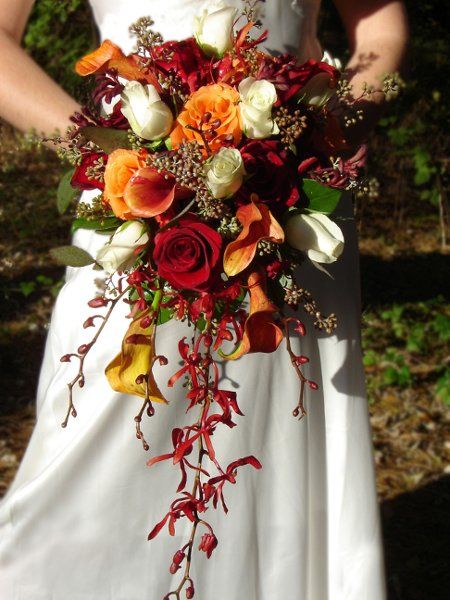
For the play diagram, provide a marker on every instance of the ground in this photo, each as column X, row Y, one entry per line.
column 406, row 334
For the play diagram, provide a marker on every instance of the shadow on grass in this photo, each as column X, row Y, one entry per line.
column 416, row 531
column 413, row 278
column 14, row 304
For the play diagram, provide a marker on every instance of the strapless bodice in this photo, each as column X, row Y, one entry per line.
column 291, row 23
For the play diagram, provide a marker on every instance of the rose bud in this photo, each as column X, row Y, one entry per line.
column 149, row 117
column 318, row 90
column 213, row 28
column 98, row 302
column 322, row 86
column 301, row 359
column 225, row 172
column 174, row 568
column 312, row 384
column 89, row 322
column 119, row 253
column 315, row 234
column 178, row 557
column 258, row 98
column 190, row 592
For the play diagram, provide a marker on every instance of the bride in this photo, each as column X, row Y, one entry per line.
column 74, row 523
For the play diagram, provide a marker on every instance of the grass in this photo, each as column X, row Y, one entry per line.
column 406, row 334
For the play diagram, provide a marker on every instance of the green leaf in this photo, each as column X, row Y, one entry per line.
column 164, row 315
column 27, row 287
column 65, row 193
column 103, row 226
column 155, row 145
column 168, row 143
column 105, row 138
column 321, row 198
column 72, row 256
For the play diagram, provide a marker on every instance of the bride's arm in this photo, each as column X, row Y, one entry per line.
column 377, row 31
column 29, row 98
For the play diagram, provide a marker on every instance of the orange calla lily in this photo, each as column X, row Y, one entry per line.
column 261, row 333
column 135, row 359
column 110, row 56
column 148, row 193
column 258, row 224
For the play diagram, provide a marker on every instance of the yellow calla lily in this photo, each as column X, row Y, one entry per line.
column 135, row 359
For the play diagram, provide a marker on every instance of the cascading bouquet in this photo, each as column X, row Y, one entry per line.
column 217, row 166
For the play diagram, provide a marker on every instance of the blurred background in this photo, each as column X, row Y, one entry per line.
column 405, row 245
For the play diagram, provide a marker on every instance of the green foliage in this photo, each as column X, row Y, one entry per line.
column 320, row 197
column 40, row 284
column 443, row 387
column 65, row 193
column 407, row 345
column 107, row 140
column 72, row 256
column 58, row 34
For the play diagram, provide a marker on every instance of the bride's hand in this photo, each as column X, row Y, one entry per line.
column 377, row 32
column 29, row 98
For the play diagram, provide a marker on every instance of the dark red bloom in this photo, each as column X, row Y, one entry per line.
column 289, row 77
column 186, row 60
column 80, row 178
column 207, row 543
column 272, row 174
column 188, row 254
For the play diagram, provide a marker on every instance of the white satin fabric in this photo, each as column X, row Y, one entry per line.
column 74, row 523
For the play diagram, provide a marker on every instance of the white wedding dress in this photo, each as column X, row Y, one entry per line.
column 74, row 523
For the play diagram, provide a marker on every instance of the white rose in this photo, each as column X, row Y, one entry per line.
column 213, row 28
column 149, row 117
column 257, row 100
column 334, row 62
column 225, row 172
column 315, row 234
column 317, row 91
column 118, row 254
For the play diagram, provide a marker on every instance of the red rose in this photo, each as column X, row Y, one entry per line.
column 188, row 254
column 186, row 60
column 272, row 175
column 289, row 77
column 80, row 178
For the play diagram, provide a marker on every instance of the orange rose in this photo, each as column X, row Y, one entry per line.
column 121, row 166
column 221, row 101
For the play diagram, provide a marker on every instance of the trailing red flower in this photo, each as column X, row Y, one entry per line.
column 207, row 543
column 214, row 485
